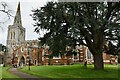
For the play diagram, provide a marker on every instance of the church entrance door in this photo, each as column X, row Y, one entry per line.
column 22, row 61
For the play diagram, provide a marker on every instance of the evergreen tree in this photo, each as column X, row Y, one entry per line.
column 89, row 24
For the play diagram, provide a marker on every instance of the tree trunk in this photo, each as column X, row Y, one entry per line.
column 98, row 61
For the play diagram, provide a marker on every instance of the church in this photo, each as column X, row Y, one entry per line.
column 25, row 52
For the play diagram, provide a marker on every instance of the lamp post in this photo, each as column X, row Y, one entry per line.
column 38, row 52
column 29, row 59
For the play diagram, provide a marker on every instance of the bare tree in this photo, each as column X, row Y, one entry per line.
column 5, row 13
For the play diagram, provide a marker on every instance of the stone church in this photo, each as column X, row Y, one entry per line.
column 21, row 51
column 16, row 43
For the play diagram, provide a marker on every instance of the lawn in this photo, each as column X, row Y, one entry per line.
column 72, row 71
column 6, row 73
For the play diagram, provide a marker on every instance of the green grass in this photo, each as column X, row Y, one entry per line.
column 72, row 71
column 7, row 74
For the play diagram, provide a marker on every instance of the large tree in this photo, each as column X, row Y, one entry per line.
column 89, row 24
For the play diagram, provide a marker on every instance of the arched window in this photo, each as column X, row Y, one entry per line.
column 11, row 35
column 14, row 35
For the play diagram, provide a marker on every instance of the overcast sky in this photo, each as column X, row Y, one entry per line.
column 26, row 7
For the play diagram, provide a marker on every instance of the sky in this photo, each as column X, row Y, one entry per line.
column 27, row 22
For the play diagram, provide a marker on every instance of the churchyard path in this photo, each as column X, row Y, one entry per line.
column 23, row 75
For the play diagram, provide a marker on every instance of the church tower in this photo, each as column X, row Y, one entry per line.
column 16, row 32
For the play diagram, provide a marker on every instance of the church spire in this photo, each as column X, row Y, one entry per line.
column 18, row 8
column 17, row 19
